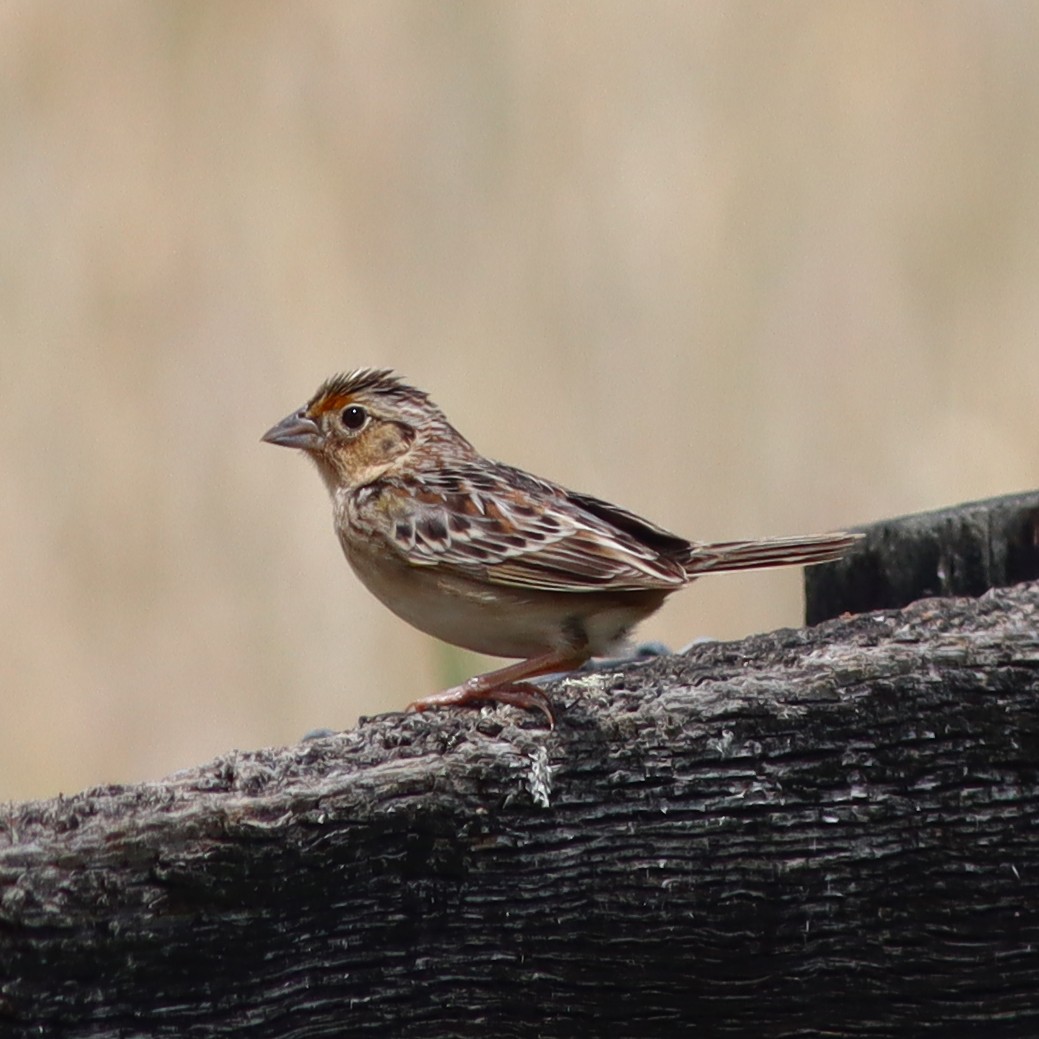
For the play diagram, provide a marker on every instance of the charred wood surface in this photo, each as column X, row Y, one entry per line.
column 964, row 550
column 830, row 831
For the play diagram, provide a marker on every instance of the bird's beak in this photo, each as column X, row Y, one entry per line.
column 296, row 430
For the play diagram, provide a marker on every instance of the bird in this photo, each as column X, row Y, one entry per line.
column 489, row 557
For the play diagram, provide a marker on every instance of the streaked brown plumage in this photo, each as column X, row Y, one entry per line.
column 489, row 557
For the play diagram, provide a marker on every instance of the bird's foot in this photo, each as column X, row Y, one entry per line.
column 471, row 694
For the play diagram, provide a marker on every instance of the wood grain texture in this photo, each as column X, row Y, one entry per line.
column 963, row 550
column 823, row 831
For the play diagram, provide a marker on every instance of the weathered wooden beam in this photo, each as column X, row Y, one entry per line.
column 821, row 831
column 964, row 550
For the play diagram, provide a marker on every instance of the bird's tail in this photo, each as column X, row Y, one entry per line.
column 725, row 556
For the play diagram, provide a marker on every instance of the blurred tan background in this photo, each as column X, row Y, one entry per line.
column 749, row 269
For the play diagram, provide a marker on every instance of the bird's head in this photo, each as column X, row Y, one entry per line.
column 359, row 425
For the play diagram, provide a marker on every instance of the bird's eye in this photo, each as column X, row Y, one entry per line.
column 354, row 417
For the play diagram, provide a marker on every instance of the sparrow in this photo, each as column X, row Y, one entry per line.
column 486, row 556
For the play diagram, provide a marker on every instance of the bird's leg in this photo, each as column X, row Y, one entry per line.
column 508, row 685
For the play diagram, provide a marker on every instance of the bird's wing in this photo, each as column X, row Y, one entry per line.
column 502, row 525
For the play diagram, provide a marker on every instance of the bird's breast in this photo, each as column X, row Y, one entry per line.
column 497, row 619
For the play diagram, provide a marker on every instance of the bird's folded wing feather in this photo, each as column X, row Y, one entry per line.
column 507, row 527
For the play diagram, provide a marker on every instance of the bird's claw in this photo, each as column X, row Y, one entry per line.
column 518, row 694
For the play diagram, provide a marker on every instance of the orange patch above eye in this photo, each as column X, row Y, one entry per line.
column 333, row 402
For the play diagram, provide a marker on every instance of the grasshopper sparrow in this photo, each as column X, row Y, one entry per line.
column 489, row 557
